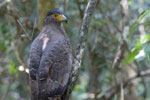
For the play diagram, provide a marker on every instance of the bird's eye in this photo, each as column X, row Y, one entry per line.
column 55, row 15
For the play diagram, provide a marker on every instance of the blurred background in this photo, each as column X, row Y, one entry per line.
column 116, row 61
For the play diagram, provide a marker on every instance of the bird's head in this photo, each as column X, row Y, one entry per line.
column 55, row 16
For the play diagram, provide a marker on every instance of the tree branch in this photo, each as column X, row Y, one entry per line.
column 80, row 48
column 114, row 89
column 8, row 89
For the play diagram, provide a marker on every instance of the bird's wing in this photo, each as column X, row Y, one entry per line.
column 35, row 57
column 53, row 73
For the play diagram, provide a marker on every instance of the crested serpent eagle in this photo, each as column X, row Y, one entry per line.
column 50, row 59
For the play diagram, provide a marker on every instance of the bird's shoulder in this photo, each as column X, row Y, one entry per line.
column 48, row 40
column 36, row 46
column 57, row 43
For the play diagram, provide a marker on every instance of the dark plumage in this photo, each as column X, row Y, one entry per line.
column 50, row 59
column 54, row 12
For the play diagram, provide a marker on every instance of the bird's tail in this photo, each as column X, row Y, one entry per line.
column 33, row 90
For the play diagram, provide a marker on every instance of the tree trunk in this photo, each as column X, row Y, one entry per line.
column 44, row 6
column 80, row 48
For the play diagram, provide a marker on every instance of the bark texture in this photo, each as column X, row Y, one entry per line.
column 80, row 48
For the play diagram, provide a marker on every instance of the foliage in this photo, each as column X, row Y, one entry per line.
column 114, row 22
column 138, row 47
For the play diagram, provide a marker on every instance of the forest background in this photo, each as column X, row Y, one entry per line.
column 116, row 61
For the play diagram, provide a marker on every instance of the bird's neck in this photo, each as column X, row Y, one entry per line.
column 55, row 26
column 51, row 22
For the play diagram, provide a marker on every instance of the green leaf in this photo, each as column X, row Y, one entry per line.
column 131, row 55
column 77, row 87
column 142, row 41
column 3, row 28
column 130, row 3
column 12, row 68
column 138, row 46
column 146, row 38
column 140, row 18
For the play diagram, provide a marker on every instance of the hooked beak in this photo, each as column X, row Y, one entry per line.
column 64, row 19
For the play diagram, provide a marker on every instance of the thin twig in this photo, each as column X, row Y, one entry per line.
column 24, row 30
column 119, row 56
column 94, row 70
column 121, row 92
column 33, row 29
column 16, row 50
column 3, row 3
column 7, row 91
column 115, row 89
column 79, row 8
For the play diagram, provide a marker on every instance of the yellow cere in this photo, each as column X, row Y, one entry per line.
column 59, row 17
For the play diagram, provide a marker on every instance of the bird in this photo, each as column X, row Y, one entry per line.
column 50, row 59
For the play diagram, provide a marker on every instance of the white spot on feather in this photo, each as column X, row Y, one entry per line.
column 45, row 41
